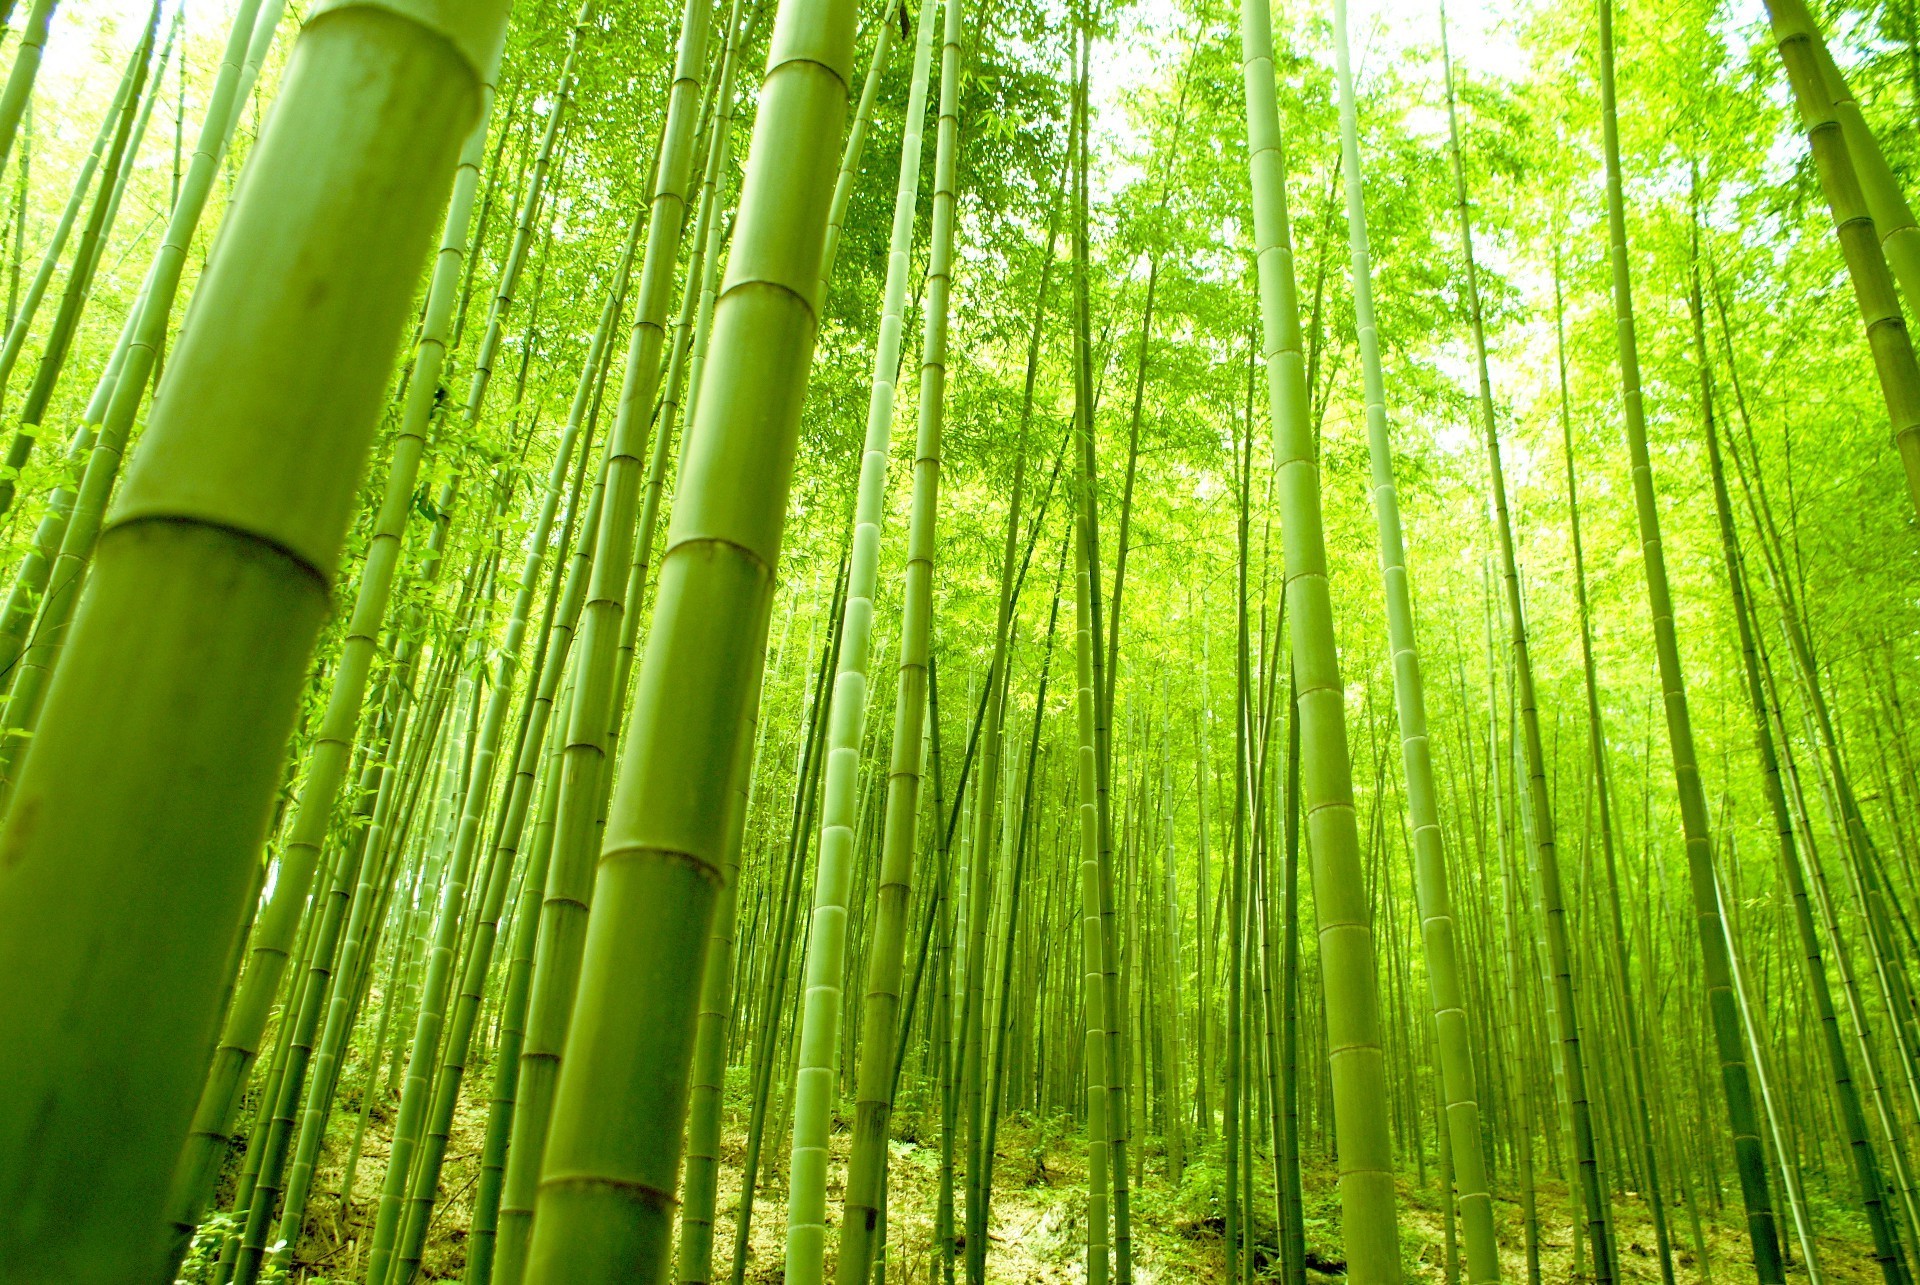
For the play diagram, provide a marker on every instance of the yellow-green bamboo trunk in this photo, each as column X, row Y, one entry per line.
column 817, row 1082
column 327, row 763
column 1453, row 1031
column 1716, row 965
column 1836, row 155
column 1092, row 931
column 143, row 801
column 1358, row 1067
column 606, row 1196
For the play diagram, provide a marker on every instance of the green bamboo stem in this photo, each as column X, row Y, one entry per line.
column 435, row 1075
column 85, row 523
column 606, row 1193
column 1886, row 199
column 1749, row 1151
column 1801, row 49
column 773, row 972
column 816, row 1084
column 504, row 1106
column 214, row 577
column 1346, row 938
column 539, row 697
column 694, row 1257
column 1114, row 1008
column 327, row 764
column 15, row 96
column 1294, row 1243
column 1628, row 1010
column 18, row 251
column 1460, row 1134
column 20, row 318
column 1096, row 1062
column 1093, row 962
column 1538, row 818
column 570, row 877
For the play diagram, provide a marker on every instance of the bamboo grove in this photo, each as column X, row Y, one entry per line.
column 992, row 640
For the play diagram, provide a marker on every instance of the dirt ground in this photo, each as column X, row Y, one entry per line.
column 1039, row 1212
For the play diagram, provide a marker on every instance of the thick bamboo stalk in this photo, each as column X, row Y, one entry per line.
column 246, row 1017
column 1357, row 1070
column 1460, row 1132
column 1538, row 818
column 820, row 1015
column 1723, row 1010
column 605, row 1203
column 570, row 877
column 214, row 577
column 1891, row 344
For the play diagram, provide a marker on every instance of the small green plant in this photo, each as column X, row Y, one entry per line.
column 203, row 1255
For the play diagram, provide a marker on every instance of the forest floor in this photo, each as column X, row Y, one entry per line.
column 1039, row 1209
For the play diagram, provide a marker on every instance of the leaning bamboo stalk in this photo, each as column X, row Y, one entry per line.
column 1538, row 819
column 663, row 860
column 1886, row 200
column 817, row 1082
column 26, row 68
column 570, row 876
column 327, row 763
column 1452, row 1030
column 214, row 577
column 1346, row 937
column 1088, row 527
column 1854, row 226
column 776, row 958
column 1723, row 1009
